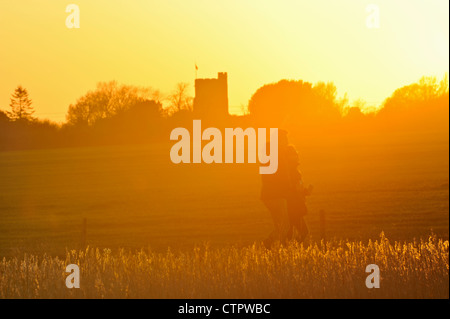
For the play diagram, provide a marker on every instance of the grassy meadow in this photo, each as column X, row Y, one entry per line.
column 334, row 269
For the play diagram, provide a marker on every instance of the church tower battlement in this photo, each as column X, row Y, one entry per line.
column 211, row 97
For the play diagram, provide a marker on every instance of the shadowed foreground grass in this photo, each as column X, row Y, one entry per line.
column 418, row 269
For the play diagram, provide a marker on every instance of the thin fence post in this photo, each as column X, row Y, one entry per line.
column 322, row 224
column 84, row 234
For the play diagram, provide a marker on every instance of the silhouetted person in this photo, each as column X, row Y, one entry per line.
column 296, row 197
column 284, row 195
column 274, row 190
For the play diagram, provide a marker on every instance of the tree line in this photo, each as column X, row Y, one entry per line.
column 114, row 113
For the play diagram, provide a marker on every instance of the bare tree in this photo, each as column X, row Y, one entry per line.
column 107, row 100
column 180, row 99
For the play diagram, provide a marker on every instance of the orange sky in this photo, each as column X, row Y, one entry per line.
column 157, row 43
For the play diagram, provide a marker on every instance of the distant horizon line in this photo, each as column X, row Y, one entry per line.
column 237, row 109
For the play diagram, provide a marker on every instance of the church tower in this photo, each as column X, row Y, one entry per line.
column 211, row 98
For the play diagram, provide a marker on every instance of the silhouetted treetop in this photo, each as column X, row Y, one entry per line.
column 421, row 106
column 179, row 99
column 426, row 90
column 107, row 100
column 287, row 101
column 21, row 108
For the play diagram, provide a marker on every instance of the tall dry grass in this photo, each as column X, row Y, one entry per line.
column 416, row 269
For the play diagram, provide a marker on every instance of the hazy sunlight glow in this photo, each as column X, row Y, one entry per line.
column 157, row 43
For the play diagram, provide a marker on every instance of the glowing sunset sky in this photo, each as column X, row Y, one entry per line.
column 157, row 43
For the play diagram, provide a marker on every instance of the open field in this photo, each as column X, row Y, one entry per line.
column 134, row 197
column 138, row 204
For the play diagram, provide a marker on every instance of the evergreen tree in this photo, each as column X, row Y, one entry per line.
column 21, row 108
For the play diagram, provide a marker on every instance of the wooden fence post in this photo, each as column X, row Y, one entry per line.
column 84, row 234
column 322, row 224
